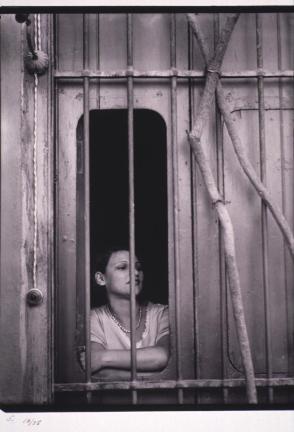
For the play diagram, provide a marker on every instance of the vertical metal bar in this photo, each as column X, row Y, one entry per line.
column 130, row 95
column 56, row 41
column 283, row 184
column 194, row 197
column 176, row 203
column 86, row 108
column 50, row 110
column 98, row 56
column 56, row 321
column 98, row 94
column 264, row 218
column 86, row 44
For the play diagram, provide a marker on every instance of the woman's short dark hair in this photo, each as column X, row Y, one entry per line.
column 103, row 257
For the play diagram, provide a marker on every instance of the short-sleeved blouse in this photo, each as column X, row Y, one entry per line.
column 107, row 333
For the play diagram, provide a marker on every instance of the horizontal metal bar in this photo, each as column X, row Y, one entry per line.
column 172, row 384
column 170, row 73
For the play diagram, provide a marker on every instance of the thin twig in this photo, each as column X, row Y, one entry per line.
column 223, row 215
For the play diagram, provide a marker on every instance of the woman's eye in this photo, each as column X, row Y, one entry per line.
column 122, row 267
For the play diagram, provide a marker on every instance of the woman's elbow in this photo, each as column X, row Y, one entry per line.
column 161, row 359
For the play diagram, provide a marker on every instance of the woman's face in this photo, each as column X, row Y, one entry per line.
column 117, row 275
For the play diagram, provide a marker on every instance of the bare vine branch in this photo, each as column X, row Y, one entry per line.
column 213, row 75
column 261, row 189
column 223, row 215
column 239, row 148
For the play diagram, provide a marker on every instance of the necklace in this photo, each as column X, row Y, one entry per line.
column 115, row 319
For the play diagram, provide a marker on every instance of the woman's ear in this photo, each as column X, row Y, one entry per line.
column 99, row 278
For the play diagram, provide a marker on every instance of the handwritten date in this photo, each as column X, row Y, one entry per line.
column 28, row 421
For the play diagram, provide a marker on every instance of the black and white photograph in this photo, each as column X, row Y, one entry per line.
column 147, row 208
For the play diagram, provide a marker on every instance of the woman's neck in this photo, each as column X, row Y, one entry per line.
column 121, row 309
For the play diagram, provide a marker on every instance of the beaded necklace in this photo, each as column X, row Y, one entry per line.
column 115, row 319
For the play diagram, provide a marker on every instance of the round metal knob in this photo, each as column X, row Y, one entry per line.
column 21, row 18
column 34, row 297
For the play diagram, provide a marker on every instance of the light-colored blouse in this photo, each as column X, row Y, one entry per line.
column 107, row 333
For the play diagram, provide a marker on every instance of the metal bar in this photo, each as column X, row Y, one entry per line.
column 172, row 384
column 130, row 94
column 194, row 196
column 51, row 110
column 266, row 108
column 288, row 299
column 55, row 44
column 86, row 44
column 264, row 216
column 176, row 203
column 86, row 132
column 56, row 322
column 98, row 56
column 180, row 73
column 221, row 188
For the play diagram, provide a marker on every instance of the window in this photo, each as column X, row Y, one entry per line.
column 145, row 75
column 109, row 190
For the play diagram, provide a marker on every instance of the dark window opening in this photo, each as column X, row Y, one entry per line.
column 109, row 193
column 109, row 219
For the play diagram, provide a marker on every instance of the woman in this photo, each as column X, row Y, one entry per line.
column 110, row 324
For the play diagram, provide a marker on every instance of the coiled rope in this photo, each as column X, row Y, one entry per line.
column 37, row 34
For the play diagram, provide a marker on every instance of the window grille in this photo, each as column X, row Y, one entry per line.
column 191, row 78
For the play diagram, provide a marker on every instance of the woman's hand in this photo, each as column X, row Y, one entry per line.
column 81, row 357
column 97, row 355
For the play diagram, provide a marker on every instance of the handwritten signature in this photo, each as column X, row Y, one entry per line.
column 28, row 421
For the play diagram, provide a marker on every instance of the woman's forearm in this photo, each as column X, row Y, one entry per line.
column 148, row 359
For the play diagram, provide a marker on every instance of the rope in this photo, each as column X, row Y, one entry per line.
column 35, row 180
column 37, row 35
